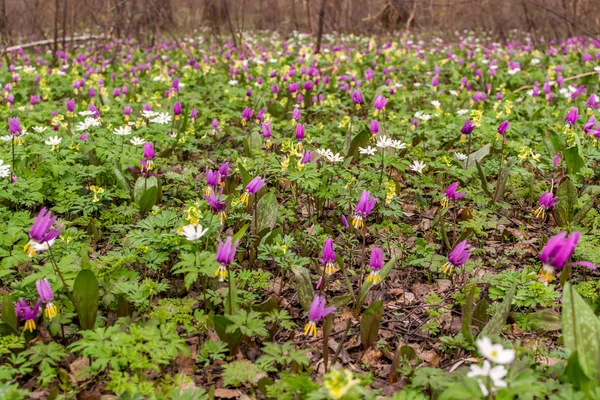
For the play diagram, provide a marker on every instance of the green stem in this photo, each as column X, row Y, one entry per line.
column 62, row 279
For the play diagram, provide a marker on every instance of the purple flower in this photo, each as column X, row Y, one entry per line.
column 316, row 313
column 296, row 114
column 215, row 125
column 275, row 91
column 380, row 103
column 300, row 132
column 589, row 126
column 46, row 296
column 261, row 115
column 356, row 97
column 374, row 127
column 94, row 110
column 217, row 206
column 572, row 116
column 247, row 114
column 194, row 114
column 555, row 254
column 435, row 81
column 84, row 136
column 547, row 201
column 213, row 178
column 224, row 170
column 41, row 234
column 451, row 194
column 345, row 222
column 556, row 159
column 363, row 209
column 306, row 157
column 177, row 109
column 468, row 127
column 457, row 257
column 252, row 188
column 375, row 264
column 149, row 151
column 225, row 254
column 14, row 126
column 127, row 111
column 267, row 132
column 26, row 313
column 503, row 128
column 71, row 105
column 145, row 167
column 592, row 103
column 328, row 258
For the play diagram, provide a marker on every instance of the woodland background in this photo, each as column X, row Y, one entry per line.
column 143, row 20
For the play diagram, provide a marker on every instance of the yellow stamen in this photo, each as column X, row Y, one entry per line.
column 444, row 202
column 540, row 212
column 207, row 190
column 374, row 277
column 222, row 216
column 221, row 272
column 310, row 329
column 546, row 274
column 358, row 221
column 29, row 325
column 447, row 268
column 29, row 250
column 51, row 311
column 330, row 268
column 245, row 197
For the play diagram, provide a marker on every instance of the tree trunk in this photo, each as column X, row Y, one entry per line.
column 321, row 21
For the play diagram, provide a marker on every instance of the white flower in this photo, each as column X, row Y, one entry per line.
column 85, row 113
column 416, row 84
column 435, row 103
column 87, row 124
column 136, row 141
column 460, row 156
column 6, row 138
column 535, row 61
column 495, row 375
column 336, row 158
column 53, row 141
column 325, row 153
column 39, row 247
column 462, row 112
column 148, row 114
column 597, row 69
column 162, row 118
column 398, row 145
column 4, row 169
column 495, row 352
column 418, row 166
column 123, row 131
column 422, row 116
column 384, row 142
column 233, row 82
column 368, row 150
column 514, row 71
column 192, row 232
column 453, row 92
column 40, row 129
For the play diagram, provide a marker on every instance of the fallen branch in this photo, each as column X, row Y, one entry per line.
column 50, row 41
column 564, row 80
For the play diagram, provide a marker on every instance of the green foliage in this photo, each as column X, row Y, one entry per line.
column 212, row 350
column 178, row 311
column 238, row 372
column 281, row 354
column 530, row 293
column 248, row 323
column 46, row 357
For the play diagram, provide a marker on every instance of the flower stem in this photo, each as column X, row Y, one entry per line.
column 62, row 279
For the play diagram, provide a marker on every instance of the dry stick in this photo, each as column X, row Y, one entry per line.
column 564, row 80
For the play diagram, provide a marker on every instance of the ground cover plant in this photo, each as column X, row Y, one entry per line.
column 397, row 217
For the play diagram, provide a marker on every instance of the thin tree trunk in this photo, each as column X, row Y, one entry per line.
column 55, row 45
column 294, row 17
column 320, row 29
column 64, row 26
column 229, row 23
column 308, row 16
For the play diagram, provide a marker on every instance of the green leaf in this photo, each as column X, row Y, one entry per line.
column 499, row 194
column 142, row 185
column 233, row 339
column 304, row 286
column 573, row 160
column 476, row 156
column 581, row 331
column 482, row 178
column 340, row 301
column 359, row 140
column 577, row 375
column 567, row 200
column 85, row 258
column 86, row 292
column 148, row 200
column 121, row 180
column 467, row 314
column 238, row 235
column 7, row 330
column 234, row 295
column 584, row 210
column 266, row 211
column 9, row 315
column 545, row 320
column 246, row 178
column 495, row 325
column 369, row 324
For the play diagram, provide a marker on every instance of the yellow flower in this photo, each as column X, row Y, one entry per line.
column 339, row 382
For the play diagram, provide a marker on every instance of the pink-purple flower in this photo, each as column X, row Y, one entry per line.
column 43, row 232
column 46, row 296
column 252, row 188
column 225, row 254
column 328, row 257
column 363, row 209
column 555, row 254
column 547, row 201
column 317, row 312
column 375, row 263
column 457, row 257
column 451, row 194
column 26, row 313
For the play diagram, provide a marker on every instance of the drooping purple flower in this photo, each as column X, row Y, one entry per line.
column 345, row 222
column 46, row 296
column 375, row 263
column 261, row 115
column 435, row 81
column 328, row 257
column 194, row 114
column 374, row 127
column 592, row 103
column 306, row 157
column 225, row 254
column 71, row 105
column 216, row 205
column 247, row 115
column 316, row 313
column 451, row 194
column 14, row 126
column 213, row 179
column 177, row 109
column 84, row 136
column 215, row 125
column 555, row 254
column 275, row 91
column 300, row 132
column 356, row 97
column 94, row 110
column 547, row 201
column 26, row 313
column 296, row 114
column 502, row 129
column 380, row 103
column 571, row 118
column 457, row 257
column 127, row 111
column 589, row 126
column 149, row 151
column 252, row 188
column 224, row 170
column 363, row 209
column 267, row 132
column 42, row 233
column 467, row 127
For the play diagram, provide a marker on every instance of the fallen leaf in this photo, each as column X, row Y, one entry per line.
column 224, row 393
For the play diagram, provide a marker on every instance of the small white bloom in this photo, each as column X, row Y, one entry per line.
column 53, row 141
column 535, row 61
column 422, row 116
column 336, row 158
column 460, row 156
column 123, row 131
column 495, row 374
column 6, row 138
column 233, row 82
column 435, row 103
column 417, row 84
column 495, row 352
column 162, row 118
column 4, row 169
column 418, row 166
column 85, row 113
column 149, row 114
column 514, row 71
column 40, row 129
column 462, row 112
column 192, row 232
column 384, row 142
column 597, row 69
column 136, row 141
column 453, row 92
column 368, row 150
column 325, row 153
column 398, row 145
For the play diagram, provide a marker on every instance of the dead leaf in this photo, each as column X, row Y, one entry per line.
column 224, row 393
